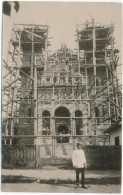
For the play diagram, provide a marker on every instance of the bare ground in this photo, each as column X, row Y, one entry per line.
column 63, row 188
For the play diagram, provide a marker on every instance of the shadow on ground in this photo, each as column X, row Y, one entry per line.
column 22, row 179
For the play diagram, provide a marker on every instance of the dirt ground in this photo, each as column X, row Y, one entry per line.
column 63, row 188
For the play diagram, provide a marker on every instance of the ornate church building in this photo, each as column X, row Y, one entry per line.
column 57, row 99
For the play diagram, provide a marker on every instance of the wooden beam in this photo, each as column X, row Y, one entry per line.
column 8, row 74
column 32, row 33
column 9, row 85
column 26, row 74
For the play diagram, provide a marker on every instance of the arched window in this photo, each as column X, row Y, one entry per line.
column 97, row 114
column 97, row 82
column 78, row 121
column 46, row 122
column 29, row 112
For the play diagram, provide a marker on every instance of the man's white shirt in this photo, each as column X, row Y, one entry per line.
column 78, row 159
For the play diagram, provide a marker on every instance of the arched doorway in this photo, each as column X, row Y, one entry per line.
column 62, row 130
column 62, row 125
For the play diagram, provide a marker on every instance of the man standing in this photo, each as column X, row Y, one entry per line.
column 79, row 162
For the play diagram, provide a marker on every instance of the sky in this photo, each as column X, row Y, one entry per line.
column 63, row 16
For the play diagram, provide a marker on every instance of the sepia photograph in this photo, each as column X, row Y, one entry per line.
column 61, row 97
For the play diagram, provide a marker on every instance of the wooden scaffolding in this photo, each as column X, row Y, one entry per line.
column 29, row 69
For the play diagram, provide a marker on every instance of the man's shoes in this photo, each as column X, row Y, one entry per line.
column 84, row 187
column 77, row 186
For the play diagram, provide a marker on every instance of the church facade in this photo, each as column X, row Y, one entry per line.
column 66, row 96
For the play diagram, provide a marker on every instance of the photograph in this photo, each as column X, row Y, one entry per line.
column 61, row 97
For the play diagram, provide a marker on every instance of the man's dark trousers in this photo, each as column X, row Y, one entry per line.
column 82, row 171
